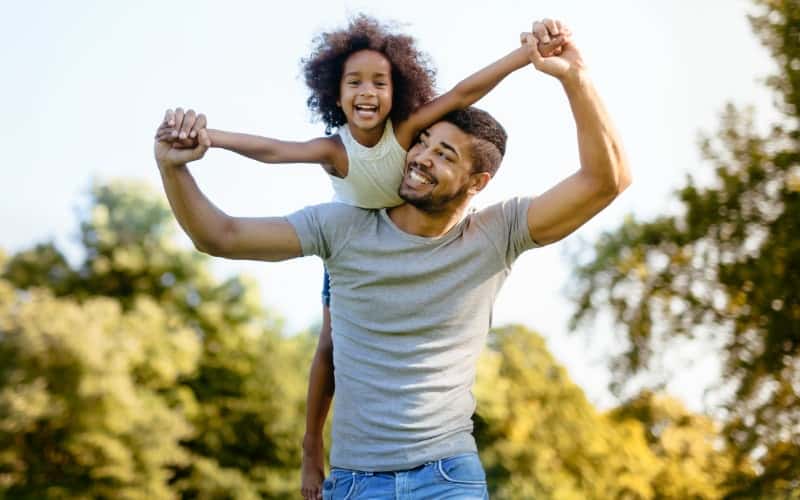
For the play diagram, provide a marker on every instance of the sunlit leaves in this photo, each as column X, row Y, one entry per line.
column 725, row 268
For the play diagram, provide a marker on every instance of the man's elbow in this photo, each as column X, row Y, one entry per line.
column 624, row 177
column 208, row 246
column 216, row 244
column 621, row 178
column 608, row 187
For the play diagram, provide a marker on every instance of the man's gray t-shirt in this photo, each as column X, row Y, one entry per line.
column 409, row 316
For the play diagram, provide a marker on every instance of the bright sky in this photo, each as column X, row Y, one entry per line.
column 85, row 84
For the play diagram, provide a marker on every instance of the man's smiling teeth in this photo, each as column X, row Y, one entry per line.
column 417, row 177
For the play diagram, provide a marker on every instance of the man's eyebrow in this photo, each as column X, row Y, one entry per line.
column 425, row 134
column 451, row 148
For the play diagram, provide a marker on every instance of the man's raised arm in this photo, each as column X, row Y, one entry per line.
column 604, row 171
column 213, row 231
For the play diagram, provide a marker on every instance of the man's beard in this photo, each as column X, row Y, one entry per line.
column 433, row 204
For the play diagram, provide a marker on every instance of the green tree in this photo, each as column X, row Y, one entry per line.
column 725, row 270
column 88, row 397
column 694, row 460
column 244, row 397
column 540, row 438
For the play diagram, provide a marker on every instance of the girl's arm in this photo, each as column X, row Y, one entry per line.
column 466, row 93
column 325, row 151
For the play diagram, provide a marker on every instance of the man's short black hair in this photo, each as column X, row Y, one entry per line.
column 489, row 137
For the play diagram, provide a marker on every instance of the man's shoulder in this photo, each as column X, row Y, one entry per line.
column 337, row 213
column 326, row 228
column 339, row 208
column 501, row 208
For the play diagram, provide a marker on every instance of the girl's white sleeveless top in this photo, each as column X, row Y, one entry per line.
column 373, row 174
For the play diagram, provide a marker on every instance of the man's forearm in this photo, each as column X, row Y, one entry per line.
column 601, row 153
column 200, row 219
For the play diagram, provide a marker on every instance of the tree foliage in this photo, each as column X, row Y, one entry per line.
column 725, row 270
column 539, row 437
column 137, row 374
column 89, row 397
column 240, row 401
column 694, row 461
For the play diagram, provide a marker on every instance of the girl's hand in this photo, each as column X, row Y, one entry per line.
column 178, row 138
column 556, row 61
column 552, row 35
column 168, row 134
column 181, row 137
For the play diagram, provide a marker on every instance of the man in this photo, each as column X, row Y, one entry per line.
column 413, row 286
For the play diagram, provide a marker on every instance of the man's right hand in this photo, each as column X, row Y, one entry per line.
column 181, row 138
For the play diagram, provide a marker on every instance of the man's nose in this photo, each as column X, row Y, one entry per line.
column 425, row 158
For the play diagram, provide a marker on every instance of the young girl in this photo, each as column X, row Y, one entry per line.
column 376, row 89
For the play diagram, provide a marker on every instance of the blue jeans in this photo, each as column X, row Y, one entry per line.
column 326, row 289
column 459, row 477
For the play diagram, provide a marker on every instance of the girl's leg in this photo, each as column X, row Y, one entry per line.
column 318, row 402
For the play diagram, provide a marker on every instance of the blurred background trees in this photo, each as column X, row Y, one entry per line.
column 539, row 436
column 725, row 271
column 137, row 374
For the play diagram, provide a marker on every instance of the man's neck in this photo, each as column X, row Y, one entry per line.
column 412, row 220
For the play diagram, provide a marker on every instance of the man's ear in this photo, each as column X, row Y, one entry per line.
column 479, row 181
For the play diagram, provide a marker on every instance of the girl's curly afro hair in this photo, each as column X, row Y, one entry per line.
column 412, row 74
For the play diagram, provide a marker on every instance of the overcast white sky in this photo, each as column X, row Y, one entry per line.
column 85, row 84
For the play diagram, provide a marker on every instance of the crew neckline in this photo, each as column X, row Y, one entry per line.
column 451, row 233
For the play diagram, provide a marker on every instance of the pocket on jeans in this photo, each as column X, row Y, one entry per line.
column 462, row 469
column 339, row 485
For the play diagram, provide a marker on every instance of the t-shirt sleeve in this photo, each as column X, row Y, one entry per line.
column 506, row 225
column 323, row 229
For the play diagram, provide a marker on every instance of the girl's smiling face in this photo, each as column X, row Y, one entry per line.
column 365, row 94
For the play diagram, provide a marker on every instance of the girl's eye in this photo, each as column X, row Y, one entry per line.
column 353, row 83
column 380, row 84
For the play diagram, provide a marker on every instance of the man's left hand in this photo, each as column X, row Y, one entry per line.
column 559, row 61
